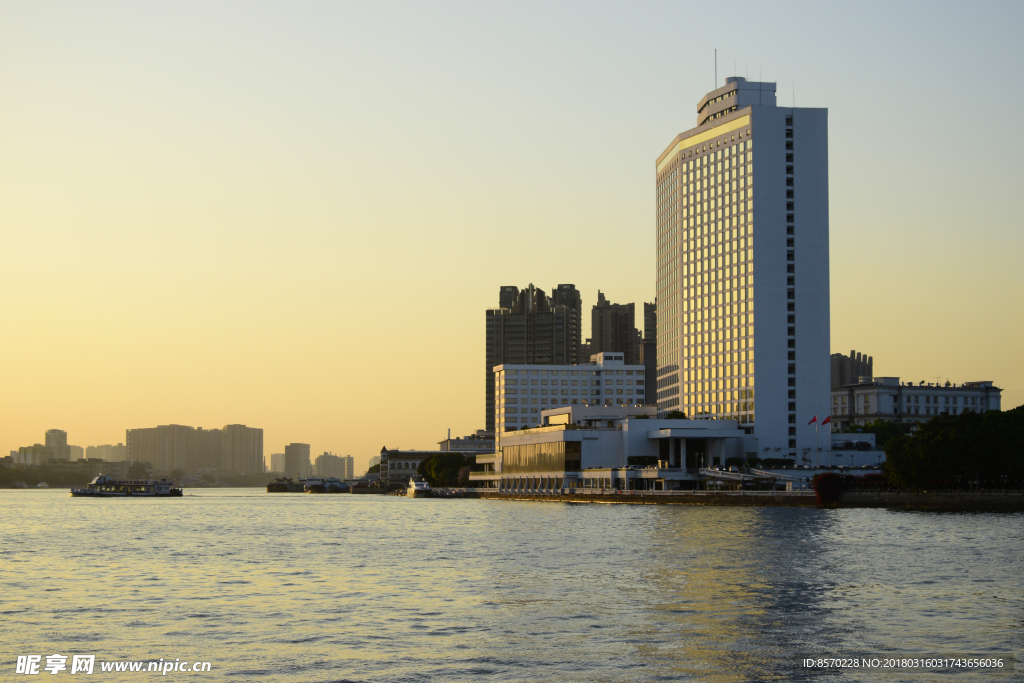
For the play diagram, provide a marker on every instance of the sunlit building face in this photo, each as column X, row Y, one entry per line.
column 742, row 267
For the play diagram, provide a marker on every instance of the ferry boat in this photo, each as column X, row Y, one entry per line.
column 105, row 486
column 418, row 488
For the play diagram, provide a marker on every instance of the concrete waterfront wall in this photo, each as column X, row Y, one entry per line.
column 938, row 501
column 746, row 498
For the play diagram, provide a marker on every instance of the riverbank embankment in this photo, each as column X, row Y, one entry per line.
column 784, row 498
column 940, row 501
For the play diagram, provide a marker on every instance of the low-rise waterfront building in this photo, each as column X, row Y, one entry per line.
column 592, row 446
column 397, row 466
column 906, row 403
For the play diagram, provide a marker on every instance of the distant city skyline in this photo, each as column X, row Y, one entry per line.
column 213, row 215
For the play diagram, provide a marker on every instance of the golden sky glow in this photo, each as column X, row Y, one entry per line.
column 294, row 215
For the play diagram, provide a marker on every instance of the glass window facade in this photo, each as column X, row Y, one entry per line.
column 705, row 255
column 560, row 456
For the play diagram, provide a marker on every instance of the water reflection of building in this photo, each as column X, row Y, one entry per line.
column 723, row 582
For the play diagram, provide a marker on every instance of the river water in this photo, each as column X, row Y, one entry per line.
column 291, row 587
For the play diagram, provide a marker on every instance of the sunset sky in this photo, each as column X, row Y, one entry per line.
column 294, row 215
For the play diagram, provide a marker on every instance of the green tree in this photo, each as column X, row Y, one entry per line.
column 884, row 431
column 442, row 469
column 948, row 451
column 675, row 415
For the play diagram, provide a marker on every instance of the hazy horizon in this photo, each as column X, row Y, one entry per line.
column 293, row 216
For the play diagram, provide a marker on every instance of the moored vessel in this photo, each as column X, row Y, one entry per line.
column 42, row 485
column 314, row 485
column 418, row 488
column 325, row 485
column 285, row 485
column 104, row 486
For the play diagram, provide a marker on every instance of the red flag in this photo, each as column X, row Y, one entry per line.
column 815, row 419
column 826, row 420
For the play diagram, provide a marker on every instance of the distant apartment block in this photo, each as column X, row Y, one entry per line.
column 35, row 455
column 55, row 449
column 107, row 452
column 531, row 328
column 330, row 465
column 242, row 449
column 521, row 392
column 613, row 328
column 849, row 369
column 235, row 448
column 76, row 453
column 57, row 442
column 906, row 403
column 277, row 462
column 296, row 460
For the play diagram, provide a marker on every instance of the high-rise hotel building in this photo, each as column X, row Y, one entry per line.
column 742, row 267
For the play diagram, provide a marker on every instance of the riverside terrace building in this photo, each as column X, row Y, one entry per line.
column 521, row 392
column 590, row 446
column 906, row 403
column 742, row 265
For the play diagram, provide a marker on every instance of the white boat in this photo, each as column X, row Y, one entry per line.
column 417, row 488
column 104, row 486
column 42, row 485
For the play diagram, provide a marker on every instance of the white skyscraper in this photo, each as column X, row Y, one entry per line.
column 742, row 267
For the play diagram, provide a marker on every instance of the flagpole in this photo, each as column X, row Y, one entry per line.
column 815, row 442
